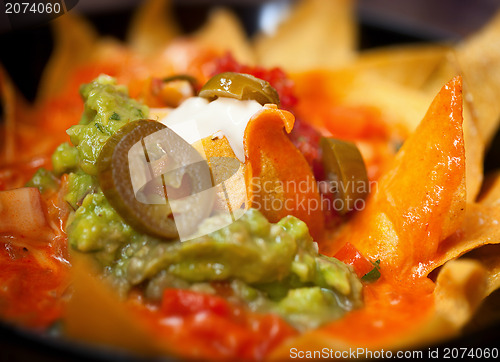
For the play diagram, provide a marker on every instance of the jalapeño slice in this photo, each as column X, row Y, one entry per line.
column 345, row 169
column 240, row 86
column 157, row 182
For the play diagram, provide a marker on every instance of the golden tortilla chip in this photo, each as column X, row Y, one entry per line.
column 474, row 143
column 153, row 27
column 74, row 40
column 481, row 227
column 8, row 99
column 490, row 194
column 460, row 289
column 489, row 257
column 230, row 187
column 400, row 106
column 474, row 154
column 224, row 32
column 420, row 199
column 409, row 65
column 95, row 314
column 478, row 58
column 317, row 34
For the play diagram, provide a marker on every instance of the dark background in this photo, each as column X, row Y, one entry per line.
column 24, row 52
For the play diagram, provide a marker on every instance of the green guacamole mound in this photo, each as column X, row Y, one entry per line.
column 269, row 267
column 107, row 108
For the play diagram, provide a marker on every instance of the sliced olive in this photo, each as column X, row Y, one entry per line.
column 172, row 91
column 181, row 77
column 155, row 180
column 240, row 86
column 346, row 172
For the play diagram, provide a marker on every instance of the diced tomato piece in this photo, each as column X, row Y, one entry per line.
column 350, row 255
column 211, row 326
column 306, row 138
column 185, row 302
column 33, row 283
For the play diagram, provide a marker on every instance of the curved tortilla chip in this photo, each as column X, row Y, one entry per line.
column 278, row 178
column 478, row 58
column 481, row 227
column 153, row 27
column 473, row 140
column 317, row 34
column 421, row 200
column 8, row 99
column 460, row 289
column 224, row 32
column 230, row 187
column 74, row 40
column 96, row 315
column 489, row 257
column 409, row 65
column 318, row 90
column 490, row 194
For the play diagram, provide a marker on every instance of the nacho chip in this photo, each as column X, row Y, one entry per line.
column 224, row 32
column 478, row 58
column 460, row 289
column 107, row 320
column 474, row 143
column 490, row 193
column 317, row 34
column 74, row 40
column 489, row 257
column 410, row 65
column 8, row 99
column 400, row 106
column 480, row 227
column 230, row 187
column 278, row 178
column 422, row 196
column 153, row 27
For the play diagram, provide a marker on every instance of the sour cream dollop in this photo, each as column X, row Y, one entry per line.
column 197, row 118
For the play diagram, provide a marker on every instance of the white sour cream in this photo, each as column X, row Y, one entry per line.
column 197, row 118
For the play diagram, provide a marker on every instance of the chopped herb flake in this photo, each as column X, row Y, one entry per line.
column 101, row 128
column 373, row 275
column 115, row 117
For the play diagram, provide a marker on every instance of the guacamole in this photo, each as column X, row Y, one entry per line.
column 107, row 108
column 269, row 267
column 44, row 180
